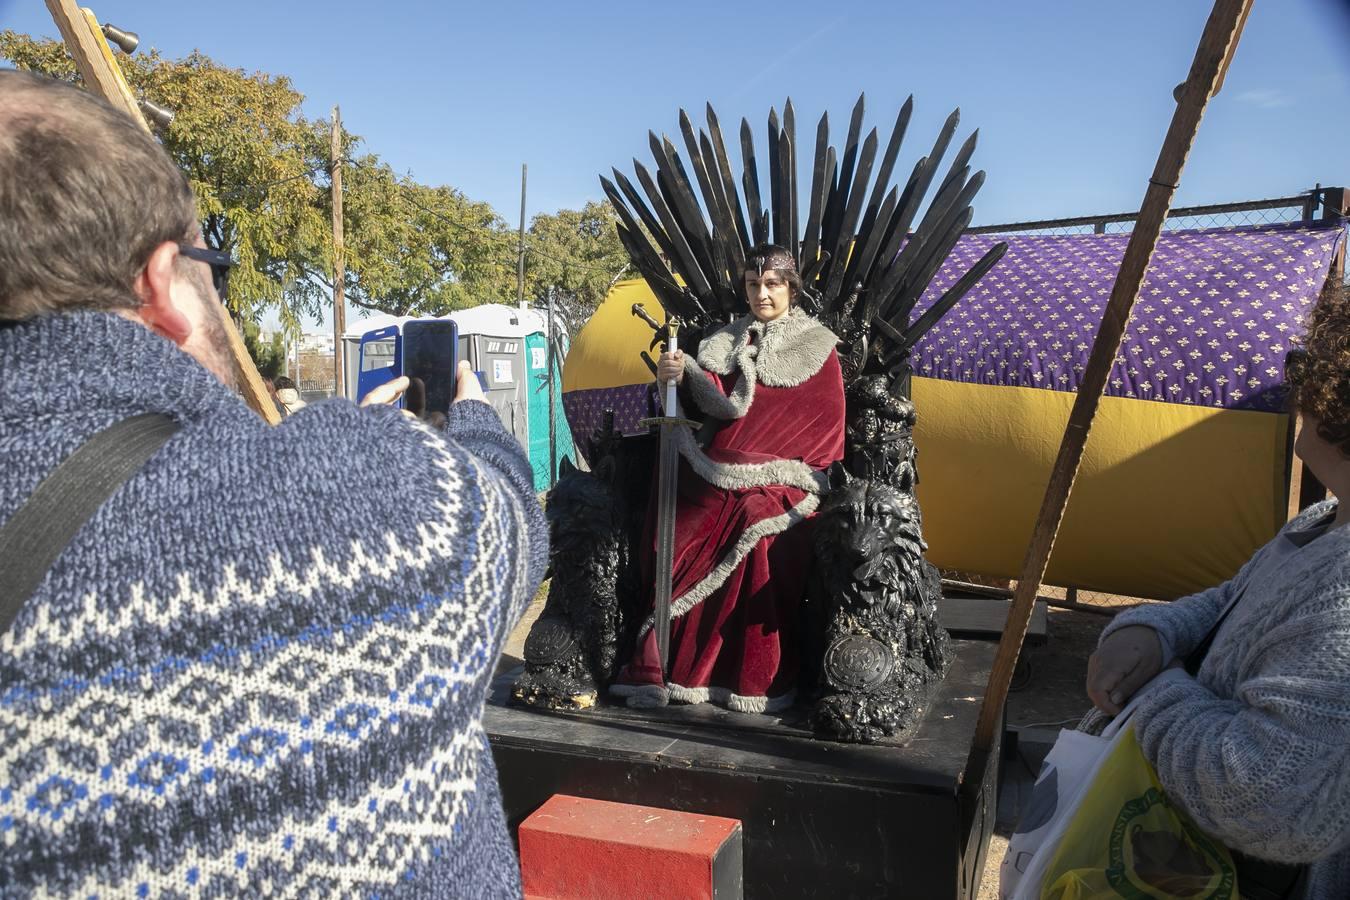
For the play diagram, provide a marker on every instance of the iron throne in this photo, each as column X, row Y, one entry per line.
column 876, row 649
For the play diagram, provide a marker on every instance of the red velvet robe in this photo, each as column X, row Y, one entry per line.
column 740, row 645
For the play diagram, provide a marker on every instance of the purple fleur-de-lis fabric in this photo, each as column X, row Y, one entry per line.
column 1215, row 317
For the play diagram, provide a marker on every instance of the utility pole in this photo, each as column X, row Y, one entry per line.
column 520, row 247
column 339, row 267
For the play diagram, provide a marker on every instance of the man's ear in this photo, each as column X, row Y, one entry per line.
column 154, row 286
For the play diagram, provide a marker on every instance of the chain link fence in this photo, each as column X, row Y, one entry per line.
column 1298, row 208
column 1306, row 207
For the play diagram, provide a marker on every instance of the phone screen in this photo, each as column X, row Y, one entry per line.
column 429, row 350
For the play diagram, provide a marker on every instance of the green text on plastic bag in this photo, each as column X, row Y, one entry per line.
column 1127, row 840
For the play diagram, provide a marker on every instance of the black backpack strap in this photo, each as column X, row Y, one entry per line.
column 37, row 534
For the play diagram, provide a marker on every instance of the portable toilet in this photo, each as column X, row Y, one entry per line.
column 536, row 348
column 510, row 347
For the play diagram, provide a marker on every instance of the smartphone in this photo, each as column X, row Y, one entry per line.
column 380, row 359
column 430, row 351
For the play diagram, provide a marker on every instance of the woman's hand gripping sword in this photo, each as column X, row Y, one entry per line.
column 668, row 468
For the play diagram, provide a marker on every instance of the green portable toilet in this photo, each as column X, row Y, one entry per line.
column 536, row 352
column 510, row 346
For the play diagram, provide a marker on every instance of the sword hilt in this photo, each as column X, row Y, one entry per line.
column 641, row 312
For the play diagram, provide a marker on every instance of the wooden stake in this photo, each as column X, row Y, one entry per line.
column 1216, row 45
column 339, row 263
column 247, row 380
column 102, row 76
column 93, row 57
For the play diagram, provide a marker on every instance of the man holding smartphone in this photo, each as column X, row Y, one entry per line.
column 260, row 666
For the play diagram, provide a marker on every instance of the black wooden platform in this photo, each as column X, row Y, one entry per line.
column 821, row 819
column 983, row 618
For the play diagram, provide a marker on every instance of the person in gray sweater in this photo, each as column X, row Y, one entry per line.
column 1256, row 748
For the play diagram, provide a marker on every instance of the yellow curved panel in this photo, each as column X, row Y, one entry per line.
column 605, row 352
column 1170, row 498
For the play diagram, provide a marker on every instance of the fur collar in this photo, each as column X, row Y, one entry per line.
column 782, row 353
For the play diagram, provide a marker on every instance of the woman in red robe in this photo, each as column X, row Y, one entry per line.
column 771, row 385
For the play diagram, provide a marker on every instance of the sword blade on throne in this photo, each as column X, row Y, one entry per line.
column 668, row 469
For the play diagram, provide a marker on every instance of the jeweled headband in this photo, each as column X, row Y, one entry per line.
column 781, row 260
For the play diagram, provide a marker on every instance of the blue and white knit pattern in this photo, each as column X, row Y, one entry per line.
column 260, row 669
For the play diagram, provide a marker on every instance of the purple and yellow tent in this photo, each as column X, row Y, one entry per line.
column 1187, row 468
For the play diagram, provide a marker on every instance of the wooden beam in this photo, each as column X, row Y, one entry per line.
column 93, row 57
column 102, row 76
column 248, row 381
column 1220, row 35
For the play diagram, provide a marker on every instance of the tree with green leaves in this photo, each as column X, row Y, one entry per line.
column 418, row 250
column 575, row 256
column 268, row 356
column 260, row 170
column 245, row 148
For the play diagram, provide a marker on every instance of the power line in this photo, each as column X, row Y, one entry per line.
column 265, row 186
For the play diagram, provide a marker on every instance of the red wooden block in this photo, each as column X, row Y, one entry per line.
column 572, row 848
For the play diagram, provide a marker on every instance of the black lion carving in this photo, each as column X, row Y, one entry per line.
column 883, row 647
column 588, row 624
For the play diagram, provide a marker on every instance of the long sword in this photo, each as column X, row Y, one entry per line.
column 668, row 468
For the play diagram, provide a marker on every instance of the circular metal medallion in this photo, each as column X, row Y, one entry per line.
column 550, row 641
column 856, row 662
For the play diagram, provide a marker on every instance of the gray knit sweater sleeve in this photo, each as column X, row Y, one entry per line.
column 1181, row 624
column 1257, row 747
column 475, row 425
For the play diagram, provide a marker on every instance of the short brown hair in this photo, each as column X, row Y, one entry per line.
column 1319, row 374
column 85, row 197
column 768, row 252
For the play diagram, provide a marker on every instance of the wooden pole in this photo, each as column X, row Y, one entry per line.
column 339, row 263
column 1216, row 45
column 93, row 57
column 520, row 246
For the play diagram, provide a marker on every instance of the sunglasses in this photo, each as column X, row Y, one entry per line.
column 219, row 261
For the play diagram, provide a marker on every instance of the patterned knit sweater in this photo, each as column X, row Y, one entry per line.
column 260, row 669
column 1257, row 747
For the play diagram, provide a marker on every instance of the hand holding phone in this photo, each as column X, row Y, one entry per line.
column 467, row 386
column 387, row 393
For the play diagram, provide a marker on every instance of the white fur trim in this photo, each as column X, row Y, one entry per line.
column 681, row 694
column 641, row 696
column 760, row 704
column 739, row 551
column 786, row 351
column 782, row 353
column 741, row 476
column 649, row 696
column 711, row 400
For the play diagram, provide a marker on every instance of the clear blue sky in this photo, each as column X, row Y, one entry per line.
column 1071, row 97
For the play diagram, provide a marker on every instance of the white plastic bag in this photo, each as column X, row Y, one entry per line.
column 1068, row 771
